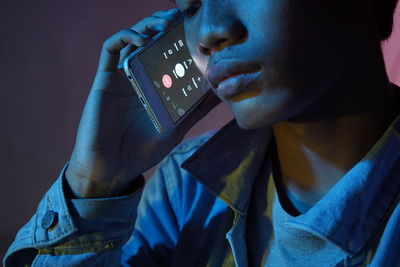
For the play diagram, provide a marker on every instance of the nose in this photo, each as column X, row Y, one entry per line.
column 218, row 30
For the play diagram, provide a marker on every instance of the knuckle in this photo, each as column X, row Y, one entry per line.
column 107, row 42
column 140, row 42
column 129, row 35
column 158, row 13
column 164, row 21
column 124, row 33
column 149, row 19
column 136, row 38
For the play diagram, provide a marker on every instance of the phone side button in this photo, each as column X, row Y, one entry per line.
column 142, row 100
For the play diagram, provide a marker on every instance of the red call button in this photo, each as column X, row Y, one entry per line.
column 167, row 81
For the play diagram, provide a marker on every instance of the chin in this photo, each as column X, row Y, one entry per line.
column 251, row 118
column 259, row 112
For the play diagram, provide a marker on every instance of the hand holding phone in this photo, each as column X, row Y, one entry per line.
column 166, row 79
column 116, row 141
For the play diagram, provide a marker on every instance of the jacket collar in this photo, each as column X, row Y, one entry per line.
column 228, row 163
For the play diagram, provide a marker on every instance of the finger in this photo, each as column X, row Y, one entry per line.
column 160, row 21
column 171, row 13
column 150, row 31
column 125, row 52
column 112, row 47
column 153, row 24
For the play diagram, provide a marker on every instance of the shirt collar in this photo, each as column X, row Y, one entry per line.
column 355, row 209
column 228, row 163
column 352, row 212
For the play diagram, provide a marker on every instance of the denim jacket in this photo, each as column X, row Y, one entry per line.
column 194, row 211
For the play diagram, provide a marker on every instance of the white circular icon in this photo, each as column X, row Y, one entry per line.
column 180, row 70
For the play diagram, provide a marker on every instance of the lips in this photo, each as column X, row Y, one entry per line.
column 231, row 78
column 224, row 70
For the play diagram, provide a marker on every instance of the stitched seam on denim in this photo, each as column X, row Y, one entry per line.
column 38, row 261
column 64, row 204
column 375, row 226
column 315, row 232
column 75, row 244
column 24, row 238
column 106, row 201
column 119, row 233
column 164, row 173
column 66, row 227
column 105, row 236
column 15, row 248
column 114, row 201
column 211, row 140
column 228, row 201
column 61, row 251
column 192, row 144
column 123, row 214
column 198, row 151
column 335, row 263
column 380, row 225
column 61, row 234
column 82, row 248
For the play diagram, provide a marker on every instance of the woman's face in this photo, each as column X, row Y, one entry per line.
column 288, row 52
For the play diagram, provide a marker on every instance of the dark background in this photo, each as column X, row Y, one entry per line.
column 48, row 57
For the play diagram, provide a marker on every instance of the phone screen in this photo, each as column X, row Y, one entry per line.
column 173, row 72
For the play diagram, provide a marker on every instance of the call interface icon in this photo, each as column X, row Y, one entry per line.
column 167, row 81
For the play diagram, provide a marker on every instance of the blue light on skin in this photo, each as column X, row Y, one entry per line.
column 322, row 75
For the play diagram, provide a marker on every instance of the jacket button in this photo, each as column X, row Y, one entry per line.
column 49, row 219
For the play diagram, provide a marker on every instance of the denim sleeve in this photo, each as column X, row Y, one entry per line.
column 168, row 205
column 75, row 232
column 140, row 229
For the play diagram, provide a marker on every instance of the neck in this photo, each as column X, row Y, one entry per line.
column 315, row 153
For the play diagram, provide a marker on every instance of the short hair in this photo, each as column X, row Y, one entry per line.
column 384, row 13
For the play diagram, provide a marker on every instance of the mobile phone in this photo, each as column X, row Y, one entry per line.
column 166, row 78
